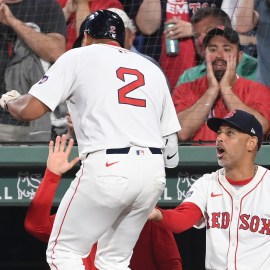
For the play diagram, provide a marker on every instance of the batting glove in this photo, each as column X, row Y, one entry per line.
column 13, row 94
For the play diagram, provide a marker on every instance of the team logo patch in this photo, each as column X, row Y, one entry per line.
column 113, row 31
column 44, row 79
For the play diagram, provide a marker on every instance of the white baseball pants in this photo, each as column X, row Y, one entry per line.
column 109, row 202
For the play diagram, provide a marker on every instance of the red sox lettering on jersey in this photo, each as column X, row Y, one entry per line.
column 247, row 222
column 237, row 220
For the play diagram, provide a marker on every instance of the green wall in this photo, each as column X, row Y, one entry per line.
column 22, row 168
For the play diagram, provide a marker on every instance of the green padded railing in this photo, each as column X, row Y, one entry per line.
column 22, row 168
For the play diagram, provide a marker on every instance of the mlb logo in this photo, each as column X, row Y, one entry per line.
column 140, row 152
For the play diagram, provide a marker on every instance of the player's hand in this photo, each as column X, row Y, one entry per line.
column 13, row 94
column 155, row 215
column 59, row 152
column 6, row 16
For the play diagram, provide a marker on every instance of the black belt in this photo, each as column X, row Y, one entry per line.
column 126, row 150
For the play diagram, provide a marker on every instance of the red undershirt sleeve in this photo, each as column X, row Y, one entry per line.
column 38, row 221
column 181, row 218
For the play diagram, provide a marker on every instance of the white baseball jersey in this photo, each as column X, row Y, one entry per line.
column 237, row 221
column 116, row 98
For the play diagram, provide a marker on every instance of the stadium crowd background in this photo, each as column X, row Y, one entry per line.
column 149, row 18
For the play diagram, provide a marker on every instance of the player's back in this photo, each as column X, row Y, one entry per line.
column 118, row 99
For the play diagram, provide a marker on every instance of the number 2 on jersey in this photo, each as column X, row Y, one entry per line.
column 122, row 92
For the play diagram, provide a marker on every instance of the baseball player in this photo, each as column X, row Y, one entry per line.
column 232, row 202
column 155, row 249
column 126, row 128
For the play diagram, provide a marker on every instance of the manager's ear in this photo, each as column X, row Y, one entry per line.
column 252, row 144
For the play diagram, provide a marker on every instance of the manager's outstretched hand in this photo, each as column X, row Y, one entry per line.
column 59, row 152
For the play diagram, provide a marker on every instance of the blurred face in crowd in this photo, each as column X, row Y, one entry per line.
column 199, row 31
column 218, row 50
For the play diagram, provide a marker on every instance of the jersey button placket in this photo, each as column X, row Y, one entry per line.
column 234, row 231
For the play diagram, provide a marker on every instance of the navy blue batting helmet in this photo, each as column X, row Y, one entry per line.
column 102, row 24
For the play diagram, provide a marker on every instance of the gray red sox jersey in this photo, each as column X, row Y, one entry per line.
column 110, row 89
column 237, row 221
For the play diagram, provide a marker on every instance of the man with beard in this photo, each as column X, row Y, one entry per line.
column 232, row 202
column 202, row 21
column 220, row 91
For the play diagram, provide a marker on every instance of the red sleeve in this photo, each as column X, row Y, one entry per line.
column 38, row 221
column 182, row 218
column 165, row 250
column 259, row 99
column 187, row 94
column 180, row 99
column 62, row 3
column 89, row 262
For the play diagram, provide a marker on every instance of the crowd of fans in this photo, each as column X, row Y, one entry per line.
column 35, row 33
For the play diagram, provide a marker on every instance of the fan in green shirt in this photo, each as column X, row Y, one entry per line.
column 247, row 68
column 202, row 21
